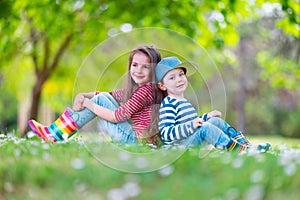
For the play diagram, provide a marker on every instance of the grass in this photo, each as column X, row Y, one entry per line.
column 31, row 169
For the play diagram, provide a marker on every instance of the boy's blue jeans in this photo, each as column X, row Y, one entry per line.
column 121, row 132
column 213, row 131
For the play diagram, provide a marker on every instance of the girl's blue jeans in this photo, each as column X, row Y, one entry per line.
column 121, row 132
column 213, row 131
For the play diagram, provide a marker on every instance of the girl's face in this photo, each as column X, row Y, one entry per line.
column 140, row 69
column 175, row 83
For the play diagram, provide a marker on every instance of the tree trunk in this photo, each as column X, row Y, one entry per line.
column 241, row 95
column 36, row 96
column 35, row 100
column 241, row 98
column 42, row 75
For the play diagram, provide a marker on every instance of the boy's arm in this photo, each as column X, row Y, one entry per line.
column 204, row 117
column 214, row 113
column 170, row 131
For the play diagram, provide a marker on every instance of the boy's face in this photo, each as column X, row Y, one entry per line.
column 175, row 83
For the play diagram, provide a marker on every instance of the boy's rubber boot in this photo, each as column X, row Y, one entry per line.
column 240, row 138
column 236, row 146
column 237, row 136
column 62, row 129
column 264, row 147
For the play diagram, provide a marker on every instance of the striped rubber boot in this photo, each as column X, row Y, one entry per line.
column 63, row 128
column 235, row 146
column 237, row 136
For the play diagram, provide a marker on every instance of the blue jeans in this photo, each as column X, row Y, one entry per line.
column 121, row 132
column 213, row 131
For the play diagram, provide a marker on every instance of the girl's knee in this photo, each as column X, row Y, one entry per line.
column 106, row 100
column 106, row 94
column 97, row 97
column 101, row 97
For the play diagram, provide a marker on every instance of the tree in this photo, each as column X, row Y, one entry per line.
column 276, row 44
column 46, row 31
column 40, row 24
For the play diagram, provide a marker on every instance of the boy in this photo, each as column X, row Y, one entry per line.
column 178, row 120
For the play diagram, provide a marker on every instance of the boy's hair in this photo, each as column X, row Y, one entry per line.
column 152, row 133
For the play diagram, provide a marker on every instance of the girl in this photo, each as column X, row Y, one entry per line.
column 137, row 99
column 178, row 120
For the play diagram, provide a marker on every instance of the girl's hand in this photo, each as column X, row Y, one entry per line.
column 78, row 102
column 87, row 103
column 79, row 99
column 214, row 113
column 197, row 122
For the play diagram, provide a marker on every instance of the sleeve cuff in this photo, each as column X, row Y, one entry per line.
column 204, row 117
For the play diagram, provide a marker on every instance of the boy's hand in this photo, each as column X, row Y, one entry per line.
column 214, row 113
column 197, row 122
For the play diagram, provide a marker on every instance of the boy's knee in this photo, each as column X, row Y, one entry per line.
column 215, row 120
column 205, row 126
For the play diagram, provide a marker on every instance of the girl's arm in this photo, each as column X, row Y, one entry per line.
column 140, row 99
column 100, row 111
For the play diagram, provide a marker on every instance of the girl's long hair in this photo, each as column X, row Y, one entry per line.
column 152, row 133
column 154, row 55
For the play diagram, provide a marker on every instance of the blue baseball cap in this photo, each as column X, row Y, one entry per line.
column 167, row 64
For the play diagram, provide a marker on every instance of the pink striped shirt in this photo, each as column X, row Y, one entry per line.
column 138, row 107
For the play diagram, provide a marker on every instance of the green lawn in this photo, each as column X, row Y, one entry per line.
column 31, row 169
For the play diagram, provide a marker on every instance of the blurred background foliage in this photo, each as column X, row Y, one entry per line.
column 254, row 44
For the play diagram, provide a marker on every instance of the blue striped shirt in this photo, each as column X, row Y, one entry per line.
column 176, row 119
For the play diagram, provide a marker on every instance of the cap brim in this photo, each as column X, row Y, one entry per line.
column 190, row 68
